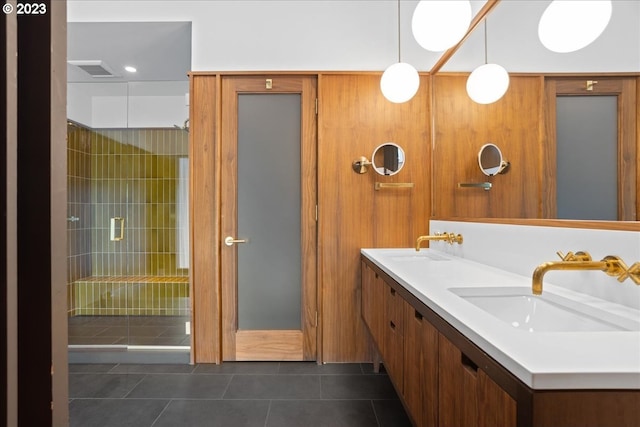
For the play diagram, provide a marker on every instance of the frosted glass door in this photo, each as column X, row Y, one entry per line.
column 269, row 264
column 587, row 156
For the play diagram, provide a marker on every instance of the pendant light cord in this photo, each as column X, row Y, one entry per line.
column 399, row 56
column 485, row 40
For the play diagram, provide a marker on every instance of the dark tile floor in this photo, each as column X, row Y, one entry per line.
column 128, row 330
column 265, row 394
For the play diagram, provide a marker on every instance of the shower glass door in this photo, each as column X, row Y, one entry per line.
column 128, row 234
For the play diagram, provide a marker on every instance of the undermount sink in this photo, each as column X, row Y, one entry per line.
column 548, row 312
column 418, row 256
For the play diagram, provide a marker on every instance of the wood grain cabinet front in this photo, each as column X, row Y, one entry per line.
column 372, row 303
column 437, row 383
column 393, row 348
column 446, row 380
column 466, row 395
column 420, row 368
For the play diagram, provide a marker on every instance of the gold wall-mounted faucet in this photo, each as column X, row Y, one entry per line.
column 450, row 238
column 612, row 265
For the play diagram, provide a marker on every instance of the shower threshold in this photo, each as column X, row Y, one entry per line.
column 130, row 354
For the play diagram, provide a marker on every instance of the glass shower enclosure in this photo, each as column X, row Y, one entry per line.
column 128, row 230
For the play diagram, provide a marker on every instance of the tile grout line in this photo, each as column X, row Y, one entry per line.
column 375, row 414
column 136, row 385
column 227, row 387
column 266, row 419
column 161, row 412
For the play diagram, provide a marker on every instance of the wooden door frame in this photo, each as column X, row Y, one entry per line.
column 624, row 88
column 281, row 345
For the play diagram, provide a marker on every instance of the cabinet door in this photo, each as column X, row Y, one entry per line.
column 393, row 349
column 467, row 396
column 420, row 368
column 373, row 288
column 495, row 407
column 457, row 384
column 368, row 279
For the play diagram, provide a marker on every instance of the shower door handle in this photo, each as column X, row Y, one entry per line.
column 120, row 230
column 230, row 241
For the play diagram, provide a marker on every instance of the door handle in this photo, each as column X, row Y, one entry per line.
column 114, row 234
column 229, row 241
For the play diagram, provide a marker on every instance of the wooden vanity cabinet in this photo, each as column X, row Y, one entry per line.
column 438, row 384
column 444, row 379
column 383, row 313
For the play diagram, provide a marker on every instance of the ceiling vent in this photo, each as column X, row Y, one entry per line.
column 95, row 68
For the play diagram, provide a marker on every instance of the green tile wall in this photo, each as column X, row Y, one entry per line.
column 129, row 173
column 78, row 206
column 135, row 176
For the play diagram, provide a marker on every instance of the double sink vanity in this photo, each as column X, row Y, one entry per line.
column 466, row 342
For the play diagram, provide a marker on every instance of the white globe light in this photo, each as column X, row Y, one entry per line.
column 438, row 25
column 570, row 25
column 487, row 83
column 399, row 82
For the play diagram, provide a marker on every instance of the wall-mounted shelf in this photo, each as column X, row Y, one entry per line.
column 484, row 185
column 381, row 185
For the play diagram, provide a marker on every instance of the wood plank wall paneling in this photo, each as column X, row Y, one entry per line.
column 354, row 118
column 463, row 126
column 638, row 147
column 204, row 217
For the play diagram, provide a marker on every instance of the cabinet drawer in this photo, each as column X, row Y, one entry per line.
column 394, row 307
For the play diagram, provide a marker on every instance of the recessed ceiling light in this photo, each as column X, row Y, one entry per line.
column 130, row 69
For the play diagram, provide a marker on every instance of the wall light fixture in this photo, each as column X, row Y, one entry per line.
column 400, row 81
column 489, row 82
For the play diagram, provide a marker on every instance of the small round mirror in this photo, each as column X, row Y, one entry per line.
column 388, row 159
column 491, row 161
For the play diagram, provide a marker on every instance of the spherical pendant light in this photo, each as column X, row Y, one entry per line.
column 438, row 25
column 487, row 83
column 570, row 25
column 399, row 82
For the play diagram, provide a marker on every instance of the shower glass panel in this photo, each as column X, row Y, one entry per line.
column 128, row 216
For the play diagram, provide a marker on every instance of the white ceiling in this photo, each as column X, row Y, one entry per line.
column 161, row 51
column 156, row 36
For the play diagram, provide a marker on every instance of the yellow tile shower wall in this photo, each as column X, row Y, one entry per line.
column 135, row 176
column 129, row 173
column 132, row 296
column 78, row 207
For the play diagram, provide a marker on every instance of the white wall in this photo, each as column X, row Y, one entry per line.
column 521, row 248
column 320, row 35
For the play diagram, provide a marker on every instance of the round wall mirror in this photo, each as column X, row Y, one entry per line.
column 491, row 161
column 388, row 159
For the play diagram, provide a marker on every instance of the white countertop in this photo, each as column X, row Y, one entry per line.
column 541, row 360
